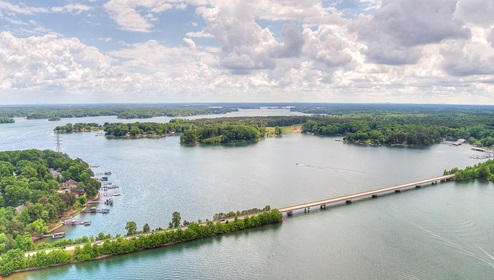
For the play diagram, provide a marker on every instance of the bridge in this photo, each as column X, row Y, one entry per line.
column 373, row 194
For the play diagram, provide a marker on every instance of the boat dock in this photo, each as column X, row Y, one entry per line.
column 73, row 222
column 94, row 210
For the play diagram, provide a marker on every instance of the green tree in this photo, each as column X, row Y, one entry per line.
column 278, row 131
column 131, row 227
column 38, row 227
column 146, row 228
column 82, row 200
column 176, row 219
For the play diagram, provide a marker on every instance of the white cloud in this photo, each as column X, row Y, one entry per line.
column 190, row 42
column 475, row 11
column 200, row 34
column 129, row 16
column 266, row 50
column 47, row 61
column 72, row 8
column 464, row 58
column 21, row 9
column 397, row 31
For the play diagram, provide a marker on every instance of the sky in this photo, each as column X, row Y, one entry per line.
column 168, row 51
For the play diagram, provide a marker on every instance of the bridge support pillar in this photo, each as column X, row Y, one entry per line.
column 374, row 196
column 323, row 206
column 397, row 191
column 418, row 186
column 348, row 202
column 289, row 213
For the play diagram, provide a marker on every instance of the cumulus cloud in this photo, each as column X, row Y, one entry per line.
column 396, row 32
column 490, row 37
column 324, row 45
column 475, row 11
column 379, row 51
column 465, row 58
column 293, row 41
column 245, row 45
column 46, row 61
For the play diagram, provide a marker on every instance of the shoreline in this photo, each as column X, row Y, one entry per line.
column 146, row 235
column 68, row 214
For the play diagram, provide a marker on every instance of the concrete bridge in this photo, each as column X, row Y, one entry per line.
column 374, row 193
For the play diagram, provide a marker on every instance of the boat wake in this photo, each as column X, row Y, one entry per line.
column 331, row 168
column 458, row 247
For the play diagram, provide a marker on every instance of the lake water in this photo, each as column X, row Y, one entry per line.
column 437, row 232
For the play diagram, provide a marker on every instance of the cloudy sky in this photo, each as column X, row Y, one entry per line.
column 145, row 51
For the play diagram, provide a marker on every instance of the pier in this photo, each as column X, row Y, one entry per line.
column 371, row 194
column 94, row 210
column 73, row 222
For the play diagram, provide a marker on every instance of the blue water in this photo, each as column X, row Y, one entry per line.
column 438, row 232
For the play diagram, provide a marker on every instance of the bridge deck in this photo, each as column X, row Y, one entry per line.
column 364, row 194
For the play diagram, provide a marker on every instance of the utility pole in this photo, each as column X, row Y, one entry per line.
column 58, row 141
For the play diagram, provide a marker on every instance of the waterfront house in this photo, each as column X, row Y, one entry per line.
column 68, row 186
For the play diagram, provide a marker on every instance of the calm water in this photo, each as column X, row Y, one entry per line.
column 440, row 232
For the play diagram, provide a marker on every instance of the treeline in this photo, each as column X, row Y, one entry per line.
column 6, row 120
column 231, row 214
column 483, row 170
column 29, row 200
column 16, row 260
column 377, row 128
column 121, row 111
column 211, row 131
column 226, row 130
column 410, row 129
column 146, row 128
column 78, row 127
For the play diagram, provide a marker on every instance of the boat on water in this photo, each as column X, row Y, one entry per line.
column 115, row 194
column 109, row 201
column 58, row 235
column 107, row 173
column 86, row 223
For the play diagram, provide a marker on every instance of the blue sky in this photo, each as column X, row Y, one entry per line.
column 399, row 51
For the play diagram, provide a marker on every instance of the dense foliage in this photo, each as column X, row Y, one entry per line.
column 16, row 260
column 78, row 127
column 211, row 131
column 146, row 128
column 231, row 214
column 483, row 170
column 407, row 128
column 121, row 111
column 6, row 120
column 29, row 200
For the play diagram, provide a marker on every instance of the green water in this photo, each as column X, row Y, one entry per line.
column 438, row 232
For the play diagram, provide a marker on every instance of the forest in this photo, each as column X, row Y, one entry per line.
column 30, row 199
column 406, row 128
column 483, row 170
